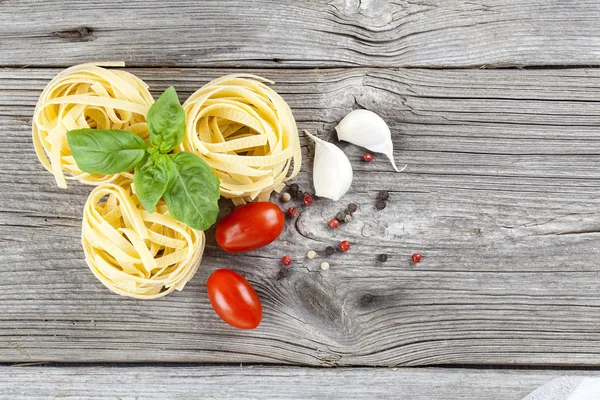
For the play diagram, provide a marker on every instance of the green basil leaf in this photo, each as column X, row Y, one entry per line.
column 151, row 178
column 166, row 121
column 193, row 191
column 110, row 151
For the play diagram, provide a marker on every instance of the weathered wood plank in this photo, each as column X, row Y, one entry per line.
column 500, row 195
column 243, row 382
column 290, row 33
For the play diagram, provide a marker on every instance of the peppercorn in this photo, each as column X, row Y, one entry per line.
column 383, row 195
column 292, row 212
column 329, row 250
column 416, row 258
column 348, row 218
column 352, row 207
column 286, row 260
column 324, row 265
column 294, row 188
column 312, row 254
column 344, row 246
column 334, row 223
column 380, row 205
column 382, row 257
column 307, row 199
column 283, row 273
column 367, row 157
column 341, row 216
column 285, row 197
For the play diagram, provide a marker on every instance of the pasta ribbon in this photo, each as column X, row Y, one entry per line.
column 246, row 133
column 133, row 252
column 86, row 96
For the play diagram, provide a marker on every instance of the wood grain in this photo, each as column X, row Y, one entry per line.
column 500, row 196
column 245, row 383
column 288, row 33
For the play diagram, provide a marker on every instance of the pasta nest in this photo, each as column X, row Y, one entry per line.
column 86, row 96
column 246, row 132
column 133, row 252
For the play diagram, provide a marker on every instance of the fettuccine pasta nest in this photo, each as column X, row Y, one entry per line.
column 133, row 252
column 86, row 96
column 246, row 132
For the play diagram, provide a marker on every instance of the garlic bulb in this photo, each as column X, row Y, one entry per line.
column 332, row 172
column 367, row 129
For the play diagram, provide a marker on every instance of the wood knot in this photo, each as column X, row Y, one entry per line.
column 82, row 34
column 366, row 300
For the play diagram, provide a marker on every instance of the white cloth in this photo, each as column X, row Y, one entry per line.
column 568, row 388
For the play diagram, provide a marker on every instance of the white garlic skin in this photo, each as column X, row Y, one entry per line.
column 366, row 129
column 332, row 171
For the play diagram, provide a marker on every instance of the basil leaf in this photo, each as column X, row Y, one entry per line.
column 110, row 151
column 193, row 191
column 166, row 121
column 151, row 178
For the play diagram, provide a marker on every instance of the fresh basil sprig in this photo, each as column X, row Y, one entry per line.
column 166, row 122
column 189, row 195
column 105, row 151
column 151, row 178
column 188, row 185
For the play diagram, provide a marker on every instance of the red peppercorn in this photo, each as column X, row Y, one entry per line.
column 307, row 199
column 334, row 223
column 286, row 260
column 292, row 212
column 367, row 157
column 344, row 246
column 417, row 257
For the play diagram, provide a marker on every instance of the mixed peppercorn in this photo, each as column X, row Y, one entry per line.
column 344, row 216
column 382, row 197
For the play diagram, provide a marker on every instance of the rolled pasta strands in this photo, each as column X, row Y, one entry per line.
column 246, row 133
column 86, row 96
column 135, row 253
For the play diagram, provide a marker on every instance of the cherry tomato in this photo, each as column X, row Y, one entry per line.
column 250, row 227
column 234, row 299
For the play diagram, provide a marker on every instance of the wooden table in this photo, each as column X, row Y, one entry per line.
column 494, row 106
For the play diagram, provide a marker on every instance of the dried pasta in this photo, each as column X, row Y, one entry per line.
column 86, row 96
column 133, row 252
column 246, row 132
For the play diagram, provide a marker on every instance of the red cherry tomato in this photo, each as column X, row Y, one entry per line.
column 234, row 299
column 250, row 227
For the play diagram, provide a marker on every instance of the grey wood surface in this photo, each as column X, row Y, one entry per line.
column 500, row 195
column 325, row 33
column 245, row 383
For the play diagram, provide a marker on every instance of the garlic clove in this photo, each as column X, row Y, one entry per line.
column 332, row 172
column 366, row 129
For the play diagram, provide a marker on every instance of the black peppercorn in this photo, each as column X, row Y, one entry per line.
column 380, row 205
column 329, row 250
column 352, row 207
column 383, row 195
column 382, row 257
column 298, row 195
column 283, row 273
column 341, row 216
column 293, row 188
